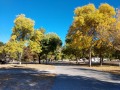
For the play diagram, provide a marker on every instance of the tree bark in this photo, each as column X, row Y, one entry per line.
column 46, row 59
column 19, row 57
column 5, row 57
column 90, row 62
column 76, row 60
column 101, row 59
column 39, row 58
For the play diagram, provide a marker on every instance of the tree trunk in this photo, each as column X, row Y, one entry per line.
column 119, row 55
column 83, row 53
column 77, row 61
column 90, row 62
column 76, row 58
column 39, row 58
column 46, row 59
column 101, row 59
column 50, row 60
column 5, row 57
column 19, row 57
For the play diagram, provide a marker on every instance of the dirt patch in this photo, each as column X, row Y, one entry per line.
column 33, row 66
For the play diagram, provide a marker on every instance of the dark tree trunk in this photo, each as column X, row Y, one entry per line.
column 46, row 59
column 90, row 62
column 5, row 57
column 101, row 61
column 101, row 58
column 39, row 58
column 76, row 60
column 83, row 53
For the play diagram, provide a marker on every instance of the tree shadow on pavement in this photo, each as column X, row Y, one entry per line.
column 112, row 76
column 67, row 82
column 25, row 79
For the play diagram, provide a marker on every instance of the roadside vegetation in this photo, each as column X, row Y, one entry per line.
column 95, row 32
column 108, row 68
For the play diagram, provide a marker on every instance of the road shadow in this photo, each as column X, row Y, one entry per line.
column 67, row 82
column 25, row 79
column 112, row 76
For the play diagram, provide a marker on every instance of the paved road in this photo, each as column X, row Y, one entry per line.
column 78, row 78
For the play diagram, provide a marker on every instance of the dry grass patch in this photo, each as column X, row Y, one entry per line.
column 107, row 68
column 32, row 66
column 6, row 66
column 37, row 66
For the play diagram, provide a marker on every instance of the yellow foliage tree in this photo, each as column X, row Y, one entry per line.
column 90, row 25
column 22, row 32
column 23, row 28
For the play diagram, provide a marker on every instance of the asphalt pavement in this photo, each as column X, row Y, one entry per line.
column 79, row 78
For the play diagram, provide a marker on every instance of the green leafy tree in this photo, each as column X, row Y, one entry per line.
column 1, row 44
column 50, row 43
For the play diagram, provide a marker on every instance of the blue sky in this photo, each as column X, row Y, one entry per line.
column 53, row 15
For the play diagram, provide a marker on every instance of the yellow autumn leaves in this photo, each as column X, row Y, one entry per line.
column 94, row 28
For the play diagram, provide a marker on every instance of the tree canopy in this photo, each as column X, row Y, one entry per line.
column 93, row 32
column 92, row 27
column 23, row 27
